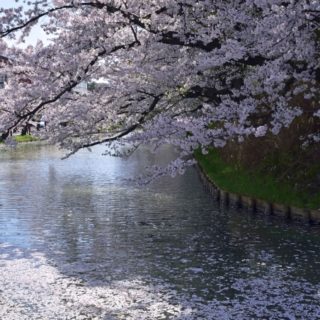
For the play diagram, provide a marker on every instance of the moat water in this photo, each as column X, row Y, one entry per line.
column 197, row 259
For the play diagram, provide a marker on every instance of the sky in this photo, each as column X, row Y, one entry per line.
column 36, row 34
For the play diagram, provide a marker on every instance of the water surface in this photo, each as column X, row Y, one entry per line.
column 94, row 225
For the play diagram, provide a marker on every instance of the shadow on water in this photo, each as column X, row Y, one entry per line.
column 94, row 225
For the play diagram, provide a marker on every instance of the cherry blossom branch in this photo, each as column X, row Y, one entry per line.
column 123, row 132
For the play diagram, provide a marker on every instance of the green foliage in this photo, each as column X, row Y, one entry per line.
column 253, row 183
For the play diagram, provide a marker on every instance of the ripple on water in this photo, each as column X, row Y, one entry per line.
column 79, row 240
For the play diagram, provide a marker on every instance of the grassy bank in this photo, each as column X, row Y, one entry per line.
column 253, row 183
column 25, row 138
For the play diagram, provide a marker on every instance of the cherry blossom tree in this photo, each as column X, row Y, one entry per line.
column 189, row 73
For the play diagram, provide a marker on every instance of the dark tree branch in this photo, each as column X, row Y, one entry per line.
column 124, row 132
column 170, row 38
column 68, row 88
column 36, row 18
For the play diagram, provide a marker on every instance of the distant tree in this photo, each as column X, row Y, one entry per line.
column 190, row 73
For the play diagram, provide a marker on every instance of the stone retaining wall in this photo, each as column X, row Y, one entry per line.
column 258, row 205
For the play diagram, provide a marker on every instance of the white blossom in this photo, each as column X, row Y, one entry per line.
column 171, row 70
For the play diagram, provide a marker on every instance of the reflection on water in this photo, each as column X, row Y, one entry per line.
column 93, row 224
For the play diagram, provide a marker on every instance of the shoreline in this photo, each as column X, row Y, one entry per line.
column 290, row 213
column 4, row 146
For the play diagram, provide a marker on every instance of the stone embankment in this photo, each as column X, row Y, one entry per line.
column 258, row 205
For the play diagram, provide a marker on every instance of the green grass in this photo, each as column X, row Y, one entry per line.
column 254, row 184
column 25, row 138
column 21, row 139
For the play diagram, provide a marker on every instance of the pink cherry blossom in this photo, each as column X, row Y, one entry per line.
column 161, row 71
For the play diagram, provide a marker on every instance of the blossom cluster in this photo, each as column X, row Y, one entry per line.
column 190, row 73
